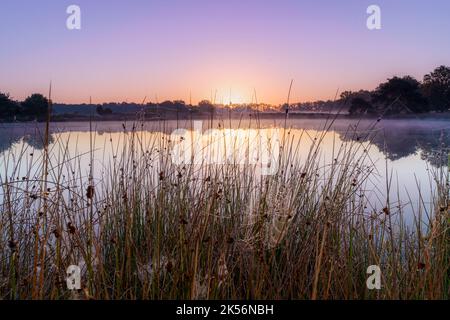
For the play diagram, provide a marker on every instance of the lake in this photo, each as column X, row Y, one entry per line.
column 209, row 206
column 403, row 156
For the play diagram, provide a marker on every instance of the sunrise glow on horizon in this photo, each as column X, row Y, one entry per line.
column 221, row 51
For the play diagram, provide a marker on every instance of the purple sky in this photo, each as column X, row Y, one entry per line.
column 165, row 49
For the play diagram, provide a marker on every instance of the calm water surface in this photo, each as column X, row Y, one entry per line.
column 408, row 153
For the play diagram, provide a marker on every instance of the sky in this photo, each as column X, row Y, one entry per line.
column 131, row 50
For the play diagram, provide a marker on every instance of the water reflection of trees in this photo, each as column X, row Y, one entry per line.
column 395, row 139
column 433, row 145
column 37, row 140
column 34, row 137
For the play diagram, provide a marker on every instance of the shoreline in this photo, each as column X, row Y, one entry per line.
column 278, row 115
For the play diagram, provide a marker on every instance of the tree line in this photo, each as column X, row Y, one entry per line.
column 33, row 107
column 403, row 95
column 396, row 95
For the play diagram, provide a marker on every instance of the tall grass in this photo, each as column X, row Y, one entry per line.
column 145, row 228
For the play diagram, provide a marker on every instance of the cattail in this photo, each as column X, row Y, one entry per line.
column 169, row 266
column 71, row 228
column 90, row 192
column 56, row 233
column 12, row 245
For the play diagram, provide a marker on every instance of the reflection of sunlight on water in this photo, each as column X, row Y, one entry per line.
column 259, row 147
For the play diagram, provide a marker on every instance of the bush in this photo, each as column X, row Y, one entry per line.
column 8, row 107
column 436, row 88
column 399, row 95
column 35, row 106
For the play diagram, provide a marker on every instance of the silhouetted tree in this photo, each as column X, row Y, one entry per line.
column 180, row 105
column 8, row 107
column 103, row 111
column 99, row 109
column 346, row 96
column 176, row 105
column 436, row 88
column 166, row 104
column 206, row 106
column 359, row 105
column 358, row 101
column 400, row 95
column 35, row 105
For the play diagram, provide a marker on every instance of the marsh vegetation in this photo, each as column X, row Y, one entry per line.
column 142, row 227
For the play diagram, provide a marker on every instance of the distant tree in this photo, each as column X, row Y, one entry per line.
column 346, row 96
column 176, row 105
column 8, row 107
column 284, row 107
column 361, row 106
column 99, row 109
column 400, row 95
column 436, row 88
column 206, row 106
column 357, row 101
column 180, row 105
column 103, row 111
column 166, row 104
column 35, row 105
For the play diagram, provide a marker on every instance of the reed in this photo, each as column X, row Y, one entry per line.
column 145, row 228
